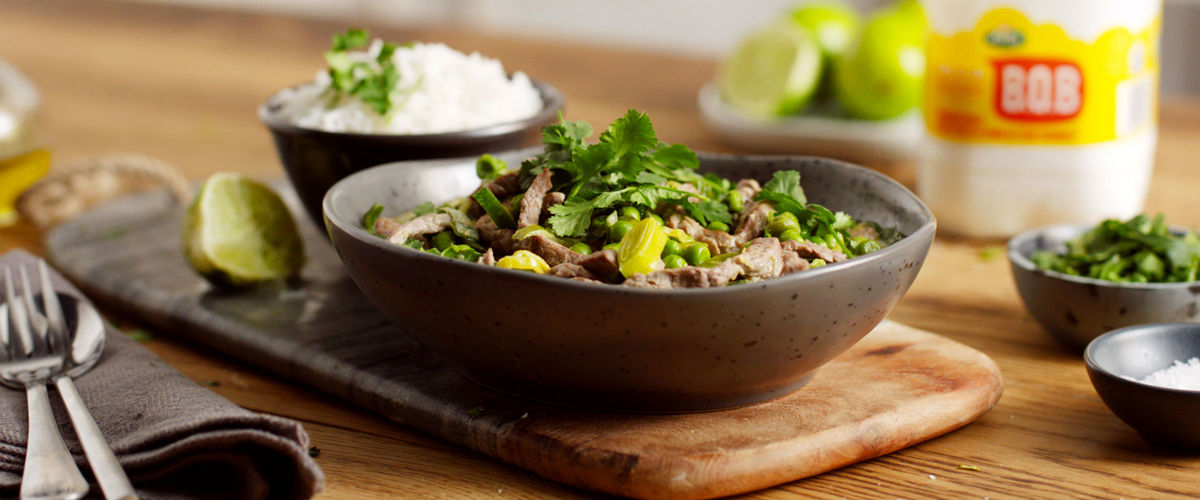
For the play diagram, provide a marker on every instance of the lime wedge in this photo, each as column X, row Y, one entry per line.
column 773, row 72
column 238, row 232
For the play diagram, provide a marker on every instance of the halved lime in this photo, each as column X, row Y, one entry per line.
column 773, row 72
column 238, row 232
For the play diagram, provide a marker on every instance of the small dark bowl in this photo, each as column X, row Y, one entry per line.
column 617, row 348
column 1167, row 417
column 316, row 159
column 1074, row 310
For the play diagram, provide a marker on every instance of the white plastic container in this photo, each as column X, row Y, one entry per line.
column 1038, row 112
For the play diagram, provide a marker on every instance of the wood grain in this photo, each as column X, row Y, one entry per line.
column 897, row 387
column 182, row 85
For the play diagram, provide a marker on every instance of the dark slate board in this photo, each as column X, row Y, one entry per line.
column 897, row 387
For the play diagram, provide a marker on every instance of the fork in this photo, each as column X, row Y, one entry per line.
column 26, row 362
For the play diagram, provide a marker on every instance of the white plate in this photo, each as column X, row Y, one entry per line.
column 894, row 140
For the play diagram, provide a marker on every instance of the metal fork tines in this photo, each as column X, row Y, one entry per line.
column 27, row 361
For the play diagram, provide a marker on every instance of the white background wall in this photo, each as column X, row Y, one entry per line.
column 696, row 27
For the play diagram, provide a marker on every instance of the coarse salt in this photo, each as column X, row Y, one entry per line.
column 1180, row 375
column 440, row 90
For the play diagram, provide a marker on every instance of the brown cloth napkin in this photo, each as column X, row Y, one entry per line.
column 174, row 438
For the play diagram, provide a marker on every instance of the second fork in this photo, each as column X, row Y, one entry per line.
column 49, row 471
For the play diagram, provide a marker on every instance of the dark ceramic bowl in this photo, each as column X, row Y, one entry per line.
column 616, row 348
column 1118, row 359
column 315, row 159
column 1074, row 310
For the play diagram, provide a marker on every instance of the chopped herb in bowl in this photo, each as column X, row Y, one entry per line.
column 1140, row 250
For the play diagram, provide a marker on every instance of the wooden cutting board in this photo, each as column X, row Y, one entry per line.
column 895, row 388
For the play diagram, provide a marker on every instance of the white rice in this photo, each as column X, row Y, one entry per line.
column 440, row 90
column 1180, row 375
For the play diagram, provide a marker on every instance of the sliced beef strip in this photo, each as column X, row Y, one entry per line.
column 425, row 224
column 602, row 263
column 810, row 250
column 761, row 260
column 386, row 226
column 753, row 222
column 535, row 196
column 499, row 239
column 506, row 185
column 569, row 270
column 718, row 242
column 687, row 277
column 793, row 262
column 683, row 277
column 551, row 199
column 488, row 258
column 552, row 252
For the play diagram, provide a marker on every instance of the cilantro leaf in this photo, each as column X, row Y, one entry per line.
column 571, row 218
column 372, row 83
column 676, row 156
column 585, row 164
column 352, row 39
column 787, row 182
column 632, row 134
column 708, row 211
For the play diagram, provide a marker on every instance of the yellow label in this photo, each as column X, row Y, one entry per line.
column 1014, row 82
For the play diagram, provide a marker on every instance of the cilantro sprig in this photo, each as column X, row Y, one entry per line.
column 373, row 82
column 628, row 166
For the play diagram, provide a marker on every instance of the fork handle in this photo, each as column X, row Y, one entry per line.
column 50, row 471
column 113, row 481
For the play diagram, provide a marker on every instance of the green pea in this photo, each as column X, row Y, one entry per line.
column 443, row 240
column 735, row 202
column 718, row 226
column 630, row 213
column 612, row 246
column 696, row 253
column 618, row 230
column 673, row 247
column 816, row 263
column 865, row 246
column 488, row 166
column 582, row 248
column 782, row 222
column 674, row 261
column 791, row 235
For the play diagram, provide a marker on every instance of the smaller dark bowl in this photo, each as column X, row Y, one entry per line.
column 316, row 159
column 1074, row 310
column 1166, row 417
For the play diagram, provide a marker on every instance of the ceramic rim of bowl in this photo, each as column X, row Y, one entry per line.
column 354, row 230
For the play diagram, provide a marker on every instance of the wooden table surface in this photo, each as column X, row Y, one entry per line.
column 183, row 85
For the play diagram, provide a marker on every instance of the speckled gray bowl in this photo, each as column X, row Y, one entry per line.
column 1117, row 360
column 1075, row 310
column 615, row 348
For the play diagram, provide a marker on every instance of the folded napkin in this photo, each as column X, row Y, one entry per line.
column 175, row 438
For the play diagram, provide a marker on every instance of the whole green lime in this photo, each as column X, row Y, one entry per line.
column 882, row 75
column 834, row 24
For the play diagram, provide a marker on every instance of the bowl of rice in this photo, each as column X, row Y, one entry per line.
column 379, row 102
